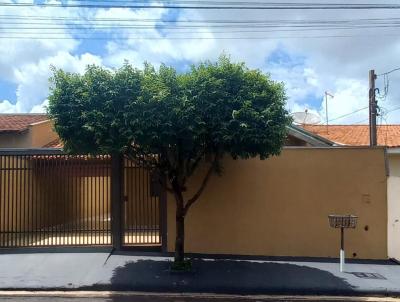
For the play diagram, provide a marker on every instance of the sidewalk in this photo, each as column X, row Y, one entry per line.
column 127, row 272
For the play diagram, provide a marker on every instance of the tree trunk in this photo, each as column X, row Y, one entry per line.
column 180, row 236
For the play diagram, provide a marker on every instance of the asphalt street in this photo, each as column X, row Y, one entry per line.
column 150, row 298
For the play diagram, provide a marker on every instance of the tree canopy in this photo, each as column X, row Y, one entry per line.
column 213, row 109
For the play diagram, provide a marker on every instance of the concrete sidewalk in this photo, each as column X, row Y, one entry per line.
column 128, row 272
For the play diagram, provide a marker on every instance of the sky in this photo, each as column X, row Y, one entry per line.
column 309, row 61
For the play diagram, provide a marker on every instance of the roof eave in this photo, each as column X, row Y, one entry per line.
column 309, row 137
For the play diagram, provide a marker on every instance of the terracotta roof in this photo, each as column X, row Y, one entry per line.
column 19, row 122
column 54, row 144
column 357, row 135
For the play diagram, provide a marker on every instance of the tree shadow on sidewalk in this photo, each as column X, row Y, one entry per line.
column 229, row 277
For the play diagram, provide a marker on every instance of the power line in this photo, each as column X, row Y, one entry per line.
column 348, row 114
column 216, row 6
column 387, row 112
column 389, row 72
column 121, row 37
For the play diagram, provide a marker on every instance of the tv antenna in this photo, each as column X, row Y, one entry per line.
column 326, row 108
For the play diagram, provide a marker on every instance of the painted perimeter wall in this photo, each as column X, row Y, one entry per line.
column 279, row 207
column 394, row 206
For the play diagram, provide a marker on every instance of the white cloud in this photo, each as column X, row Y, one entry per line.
column 7, row 107
column 33, row 79
column 339, row 65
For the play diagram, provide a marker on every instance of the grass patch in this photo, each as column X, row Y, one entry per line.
column 182, row 266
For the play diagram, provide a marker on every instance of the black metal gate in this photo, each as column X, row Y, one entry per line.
column 48, row 198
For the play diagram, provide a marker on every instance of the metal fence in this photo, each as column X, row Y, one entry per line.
column 48, row 198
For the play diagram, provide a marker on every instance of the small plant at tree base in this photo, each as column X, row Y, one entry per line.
column 188, row 120
column 181, row 266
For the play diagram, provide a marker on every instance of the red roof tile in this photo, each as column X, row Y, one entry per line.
column 357, row 135
column 19, row 122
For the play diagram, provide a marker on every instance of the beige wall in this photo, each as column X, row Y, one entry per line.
column 279, row 206
column 37, row 135
column 393, row 192
column 41, row 134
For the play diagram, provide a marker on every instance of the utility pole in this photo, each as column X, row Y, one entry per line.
column 372, row 109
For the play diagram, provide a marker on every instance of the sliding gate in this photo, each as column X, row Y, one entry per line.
column 48, row 198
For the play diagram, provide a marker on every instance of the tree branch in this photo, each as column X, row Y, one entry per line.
column 203, row 185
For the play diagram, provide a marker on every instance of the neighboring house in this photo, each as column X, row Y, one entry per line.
column 26, row 131
column 297, row 136
column 389, row 136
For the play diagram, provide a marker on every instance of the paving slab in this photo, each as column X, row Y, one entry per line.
column 150, row 273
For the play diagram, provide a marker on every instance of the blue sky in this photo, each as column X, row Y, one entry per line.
column 308, row 66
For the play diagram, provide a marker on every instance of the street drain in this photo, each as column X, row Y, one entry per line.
column 369, row 275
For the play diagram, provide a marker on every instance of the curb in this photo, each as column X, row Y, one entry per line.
column 259, row 298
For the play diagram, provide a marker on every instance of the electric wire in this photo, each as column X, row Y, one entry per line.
column 213, row 5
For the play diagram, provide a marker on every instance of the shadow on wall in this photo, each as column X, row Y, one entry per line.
column 228, row 276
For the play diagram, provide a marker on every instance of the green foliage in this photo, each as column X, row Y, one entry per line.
column 211, row 110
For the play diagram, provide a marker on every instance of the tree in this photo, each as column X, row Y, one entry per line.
column 170, row 121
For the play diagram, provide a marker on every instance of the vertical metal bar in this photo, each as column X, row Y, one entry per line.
column 58, row 188
column 76, row 214
column 107, row 200
column 341, row 238
column 45, row 201
column 17, row 202
column 30, row 198
column 3, row 201
column 2, row 209
column 146, row 203
column 125, row 228
column 35, row 205
column 135, row 200
column 63, row 183
column 8, row 200
column 38, row 205
column 95, row 218
column 67, row 201
column 90, row 213
column 342, row 255
column 94, row 205
column 52, row 216
column 130, row 200
column 25, row 209
column 101, row 201
column 7, row 219
column 162, row 205
column 13, row 193
column 75, row 195
column 152, row 207
column 142, row 202
column 128, row 234
column 116, row 199
column 13, row 202
column 19, row 194
column 86, row 206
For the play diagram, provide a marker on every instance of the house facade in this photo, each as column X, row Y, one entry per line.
column 26, row 131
